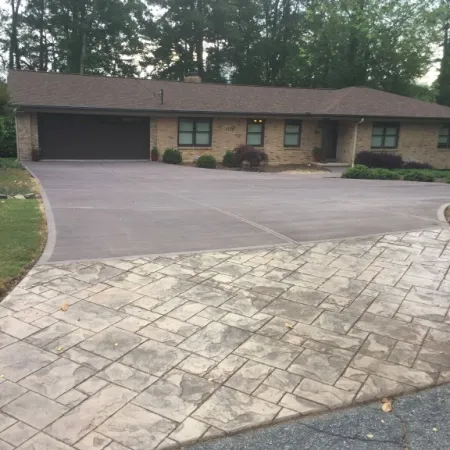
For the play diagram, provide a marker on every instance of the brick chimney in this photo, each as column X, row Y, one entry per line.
column 192, row 78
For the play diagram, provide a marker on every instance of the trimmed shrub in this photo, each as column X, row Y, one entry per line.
column 172, row 156
column 383, row 174
column 7, row 137
column 358, row 171
column 207, row 162
column 228, row 159
column 416, row 165
column 380, row 160
column 363, row 172
column 417, row 175
column 251, row 155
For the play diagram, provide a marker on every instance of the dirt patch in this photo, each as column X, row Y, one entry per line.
column 447, row 213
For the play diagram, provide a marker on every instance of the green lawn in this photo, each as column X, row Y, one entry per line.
column 14, row 179
column 22, row 226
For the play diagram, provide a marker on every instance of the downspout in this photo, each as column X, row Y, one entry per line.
column 354, row 141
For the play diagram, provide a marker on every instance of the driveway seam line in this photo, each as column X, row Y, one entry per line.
column 241, row 219
column 250, row 247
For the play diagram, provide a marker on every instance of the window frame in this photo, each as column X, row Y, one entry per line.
column 299, row 133
column 385, row 125
column 194, row 131
column 263, row 129
column 447, row 145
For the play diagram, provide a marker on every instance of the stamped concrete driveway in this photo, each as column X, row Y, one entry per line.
column 111, row 209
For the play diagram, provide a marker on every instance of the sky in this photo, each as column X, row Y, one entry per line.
column 429, row 78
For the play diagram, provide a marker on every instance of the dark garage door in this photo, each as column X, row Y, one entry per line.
column 76, row 136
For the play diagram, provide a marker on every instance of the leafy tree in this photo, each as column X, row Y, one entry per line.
column 385, row 44
column 443, row 81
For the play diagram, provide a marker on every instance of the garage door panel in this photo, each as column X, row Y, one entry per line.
column 76, row 136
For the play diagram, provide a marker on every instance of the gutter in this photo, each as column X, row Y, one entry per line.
column 354, row 141
column 178, row 112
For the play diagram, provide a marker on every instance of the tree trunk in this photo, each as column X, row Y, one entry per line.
column 14, row 55
column 356, row 53
column 42, row 58
column 199, row 40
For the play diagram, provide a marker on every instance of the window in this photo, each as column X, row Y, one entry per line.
column 444, row 136
column 292, row 133
column 385, row 135
column 194, row 132
column 255, row 132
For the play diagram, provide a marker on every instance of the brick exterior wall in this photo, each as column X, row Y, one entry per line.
column 27, row 134
column 346, row 137
column 228, row 133
column 153, row 133
column 418, row 141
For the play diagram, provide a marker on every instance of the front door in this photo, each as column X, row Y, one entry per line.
column 329, row 138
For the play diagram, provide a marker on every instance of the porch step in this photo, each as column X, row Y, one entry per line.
column 331, row 164
column 333, row 167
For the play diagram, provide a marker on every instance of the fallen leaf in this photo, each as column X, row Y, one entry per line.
column 435, row 429
column 65, row 307
column 288, row 325
column 59, row 349
column 370, row 435
column 386, row 406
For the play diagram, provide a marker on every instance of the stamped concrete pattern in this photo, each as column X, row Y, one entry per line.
column 157, row 352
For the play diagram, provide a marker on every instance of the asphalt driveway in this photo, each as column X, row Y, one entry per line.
column 110, row 209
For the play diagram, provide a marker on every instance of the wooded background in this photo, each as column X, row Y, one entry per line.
column 386, row 44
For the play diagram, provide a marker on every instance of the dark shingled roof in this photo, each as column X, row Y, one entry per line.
column 52, row 90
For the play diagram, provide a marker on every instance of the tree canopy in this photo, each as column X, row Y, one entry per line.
column 385, row 44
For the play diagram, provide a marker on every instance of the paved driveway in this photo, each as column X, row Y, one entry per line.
column 109, row 209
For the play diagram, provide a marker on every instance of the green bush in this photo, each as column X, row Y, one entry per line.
column 362, row 172
column 207, row 162
column 9, row 163
column 7, row 137
column 172, row 156
column 319, row 154
column 228, row 159
column 359, row 172
column 383, row 174
column 416, row 175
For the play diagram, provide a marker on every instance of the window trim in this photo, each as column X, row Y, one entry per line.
column 194, row 131
column 262, row 133
column 447, row 145
column 385, row 125
column 299, row 134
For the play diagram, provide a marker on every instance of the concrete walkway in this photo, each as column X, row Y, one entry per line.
column 154, row 352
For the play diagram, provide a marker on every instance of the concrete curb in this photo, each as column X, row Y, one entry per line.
column 51, row 228
column 441, row 213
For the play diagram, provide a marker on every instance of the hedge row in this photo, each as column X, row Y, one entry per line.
column 360, row 171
